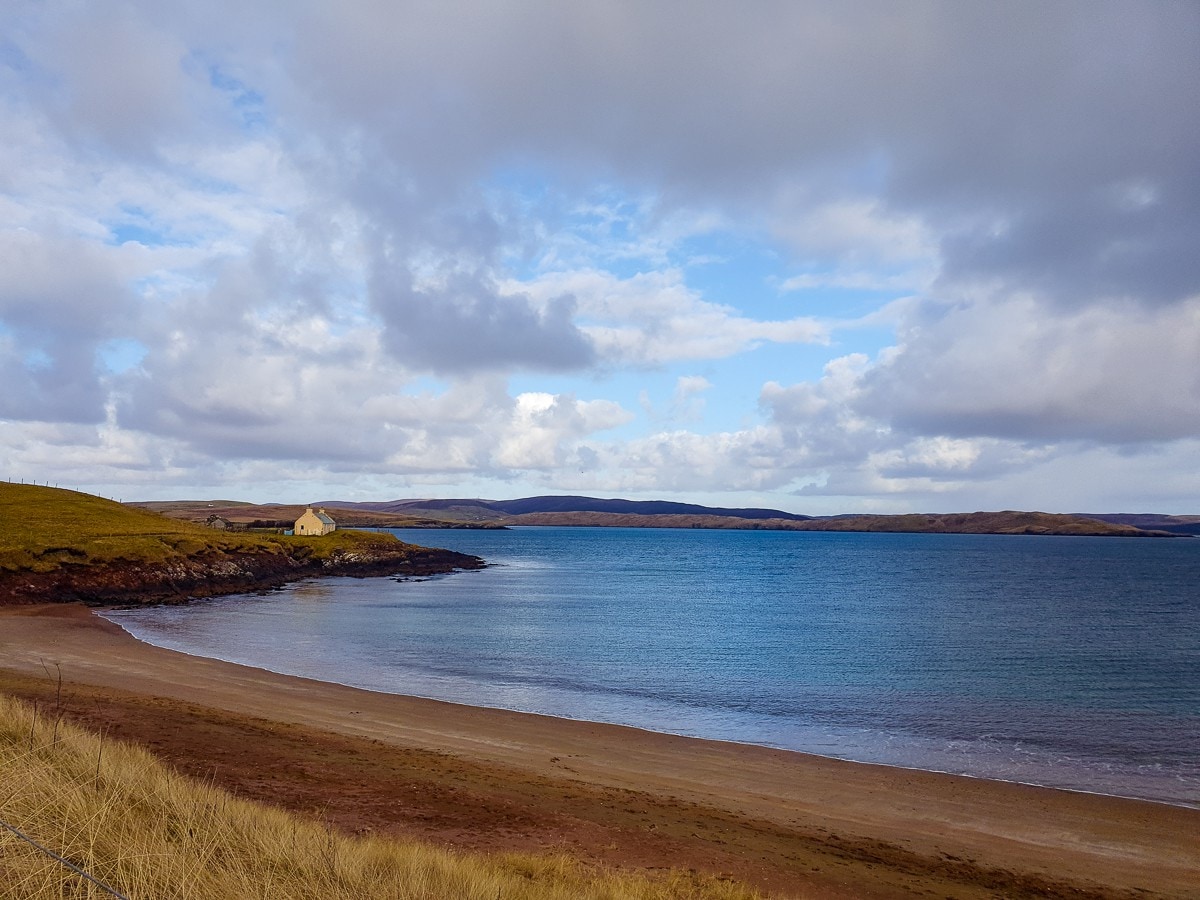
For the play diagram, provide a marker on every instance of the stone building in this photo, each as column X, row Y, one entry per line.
column 314, row 523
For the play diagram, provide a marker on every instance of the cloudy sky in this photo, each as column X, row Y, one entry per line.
column 825, row 257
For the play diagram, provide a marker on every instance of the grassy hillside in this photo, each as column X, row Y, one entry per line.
column 48, row 527
column 65, row 545
column 120, row 815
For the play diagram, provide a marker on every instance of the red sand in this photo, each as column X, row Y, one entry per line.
column 792, row 824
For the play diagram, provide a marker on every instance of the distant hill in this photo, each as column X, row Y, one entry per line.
column 1009, row 522
column 596, row 512
column 1153, row 521
column 271, row 516
column 559, row 504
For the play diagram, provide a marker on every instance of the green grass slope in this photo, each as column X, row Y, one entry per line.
column 64, row 545
column 45, row 528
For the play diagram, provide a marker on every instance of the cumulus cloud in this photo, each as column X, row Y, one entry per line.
column 652, row 318
column 544, row 428
column 1011, row 367
column 858, row 234
column 60, row 301
column 384, row 225
column 904, row 103
column 114, row 79
column 461, row 323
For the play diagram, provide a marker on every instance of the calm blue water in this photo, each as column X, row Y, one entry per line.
column 1070, row 662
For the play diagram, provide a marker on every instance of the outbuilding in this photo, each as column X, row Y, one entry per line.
column 314, row 523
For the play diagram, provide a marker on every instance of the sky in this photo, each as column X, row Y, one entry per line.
column 822, row 257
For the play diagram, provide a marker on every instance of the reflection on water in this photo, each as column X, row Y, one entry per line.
column 1066, row 661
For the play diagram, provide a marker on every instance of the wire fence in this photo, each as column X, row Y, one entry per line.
column 33, row 482
column 63, row 860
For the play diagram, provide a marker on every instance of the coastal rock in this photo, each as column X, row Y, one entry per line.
column 126, row 583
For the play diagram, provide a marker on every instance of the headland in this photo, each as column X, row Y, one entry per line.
column 64, row 546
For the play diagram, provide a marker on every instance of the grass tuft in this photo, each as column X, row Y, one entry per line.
column 119, row 814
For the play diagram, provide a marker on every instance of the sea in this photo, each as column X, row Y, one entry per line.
column 1071, row 662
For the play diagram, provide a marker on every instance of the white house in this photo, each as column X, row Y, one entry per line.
column 314, row 523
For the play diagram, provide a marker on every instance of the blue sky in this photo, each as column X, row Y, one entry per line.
column 823, row 257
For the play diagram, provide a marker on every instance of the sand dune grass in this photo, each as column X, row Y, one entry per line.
column 147, row 832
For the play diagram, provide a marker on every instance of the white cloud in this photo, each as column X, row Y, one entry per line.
column 545, row 429
column 856, row 232
column 683, row 461
column 936, row 455
column 116, row 79
column 1012, row 367
column 653, row 318
column 83, row 456
column 61, row 300
column 856, row 281
column 302, row 214
column 687, row 403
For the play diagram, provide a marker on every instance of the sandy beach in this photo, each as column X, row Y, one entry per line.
column 789, row 823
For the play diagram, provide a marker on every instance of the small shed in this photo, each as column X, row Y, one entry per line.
column 314, row 523
column 218, row 522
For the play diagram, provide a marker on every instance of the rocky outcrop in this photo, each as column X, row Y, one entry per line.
column 208, row 574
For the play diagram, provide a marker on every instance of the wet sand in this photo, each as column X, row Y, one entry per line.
column 474, row 778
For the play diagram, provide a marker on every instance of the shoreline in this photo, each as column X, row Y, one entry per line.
column 100, row 612
column 924, row 825
column 1015, row 775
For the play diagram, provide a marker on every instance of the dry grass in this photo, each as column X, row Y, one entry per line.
column 119, row 814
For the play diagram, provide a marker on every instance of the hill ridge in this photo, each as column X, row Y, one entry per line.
column 548, row 503
column 598, row 512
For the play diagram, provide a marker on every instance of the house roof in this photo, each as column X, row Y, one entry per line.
column 320, row 516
